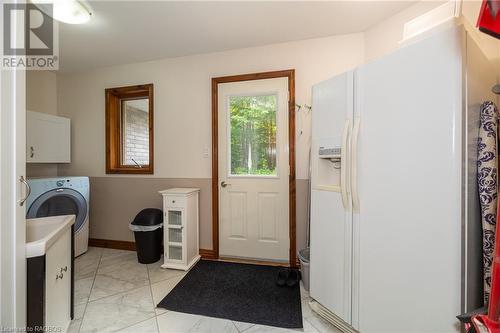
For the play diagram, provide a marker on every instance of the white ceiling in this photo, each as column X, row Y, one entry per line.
column 123, row 32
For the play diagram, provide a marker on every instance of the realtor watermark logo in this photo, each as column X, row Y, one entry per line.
column 29, row 37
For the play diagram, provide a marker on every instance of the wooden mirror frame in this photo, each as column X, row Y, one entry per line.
column 114, row 98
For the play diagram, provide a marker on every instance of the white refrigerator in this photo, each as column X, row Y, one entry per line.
column 395, row 222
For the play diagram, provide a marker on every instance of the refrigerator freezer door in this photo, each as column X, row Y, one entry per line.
column 331, row 258
column 331, row 221
column 407, row 235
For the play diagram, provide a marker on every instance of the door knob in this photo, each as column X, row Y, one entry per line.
column 224, row 184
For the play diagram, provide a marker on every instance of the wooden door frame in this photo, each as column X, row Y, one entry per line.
column 290, row 75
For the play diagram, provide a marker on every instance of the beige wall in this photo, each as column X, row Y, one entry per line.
column 115, row 201
column 41, row 96
column 182, row 100
column 182, row 125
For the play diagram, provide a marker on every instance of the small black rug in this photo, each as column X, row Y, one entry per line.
column 239, row 292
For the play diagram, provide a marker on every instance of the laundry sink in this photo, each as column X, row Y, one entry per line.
column 42, row 233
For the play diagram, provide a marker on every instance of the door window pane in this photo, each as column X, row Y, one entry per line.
column 135, row 131
column 253, row 134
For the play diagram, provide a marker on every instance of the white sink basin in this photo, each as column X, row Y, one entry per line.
column 41, row 233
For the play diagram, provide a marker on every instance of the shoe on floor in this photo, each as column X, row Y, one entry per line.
column 293, row 278
column 282, row 277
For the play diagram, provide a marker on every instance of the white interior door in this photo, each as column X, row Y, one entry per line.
column 253, row 169
column 12, row 213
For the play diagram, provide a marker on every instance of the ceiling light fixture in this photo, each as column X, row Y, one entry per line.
column 67, row 11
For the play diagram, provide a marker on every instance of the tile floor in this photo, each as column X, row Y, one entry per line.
column 113, row 292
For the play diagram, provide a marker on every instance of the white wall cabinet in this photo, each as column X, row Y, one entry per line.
column 181, row 227
column 48, row 138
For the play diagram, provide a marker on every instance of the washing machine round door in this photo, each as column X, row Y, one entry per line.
column 61, row 201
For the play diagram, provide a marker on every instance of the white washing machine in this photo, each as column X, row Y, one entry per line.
column 62, row 196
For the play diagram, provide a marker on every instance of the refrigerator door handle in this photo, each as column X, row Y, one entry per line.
column 343, row 165
column 354, row 165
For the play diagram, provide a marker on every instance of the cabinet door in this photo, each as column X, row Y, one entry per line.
column 58, row 283
column 47, row 138
column 175, row 223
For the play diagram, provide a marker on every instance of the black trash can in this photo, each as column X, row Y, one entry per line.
column 148, row 232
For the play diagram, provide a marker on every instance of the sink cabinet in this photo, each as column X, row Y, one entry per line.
column 51, row 285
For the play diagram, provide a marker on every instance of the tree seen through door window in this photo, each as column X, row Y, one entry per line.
column 253, row 134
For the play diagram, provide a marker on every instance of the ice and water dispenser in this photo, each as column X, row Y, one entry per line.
column 327, row 165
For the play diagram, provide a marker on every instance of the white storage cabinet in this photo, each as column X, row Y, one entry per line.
column 47, row 138
column 180, row 227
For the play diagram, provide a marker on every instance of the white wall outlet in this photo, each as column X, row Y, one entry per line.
column 206, row 153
